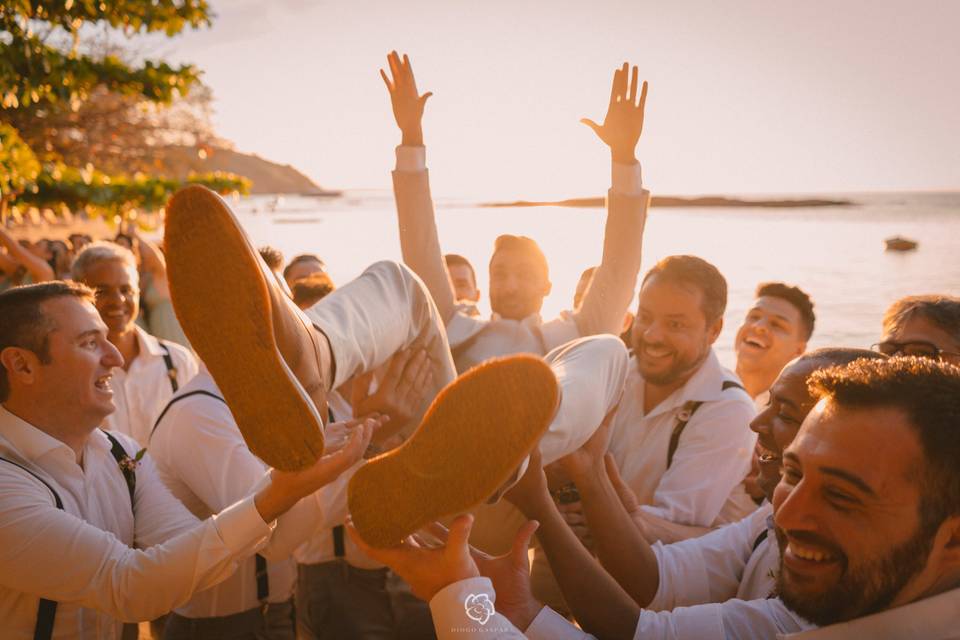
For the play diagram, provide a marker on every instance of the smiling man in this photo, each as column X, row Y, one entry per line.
column 89, row 536
column 152, row 369
column 867, row 515
column 680, row 436
column 775, row 331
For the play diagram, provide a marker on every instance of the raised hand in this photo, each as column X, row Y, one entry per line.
column 623, row 123
column 407, row 102
column 589, row 457
column 530, row 494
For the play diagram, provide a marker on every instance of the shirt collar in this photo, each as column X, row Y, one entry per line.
column 149, row 343
column 532, row 320
column 31, row 443
column 934, row 618
column 705, row 385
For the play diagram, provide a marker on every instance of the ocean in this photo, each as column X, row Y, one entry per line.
column 836, row 254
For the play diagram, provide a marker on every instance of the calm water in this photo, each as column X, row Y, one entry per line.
column 836, row 254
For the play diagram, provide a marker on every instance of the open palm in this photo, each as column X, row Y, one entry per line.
column 623, row 123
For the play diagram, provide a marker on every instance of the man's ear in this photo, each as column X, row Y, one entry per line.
column 714, row 329
column 21, row 364
column 946, row 547
column 547, row 287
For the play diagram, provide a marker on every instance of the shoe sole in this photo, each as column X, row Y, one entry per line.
column 222, row 302
column 475, row 434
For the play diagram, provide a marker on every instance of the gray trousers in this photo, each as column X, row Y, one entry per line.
column 336, row 600
column 272, row 622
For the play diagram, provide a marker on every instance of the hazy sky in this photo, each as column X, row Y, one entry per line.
column 745, row 96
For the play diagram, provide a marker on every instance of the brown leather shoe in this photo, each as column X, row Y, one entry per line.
column 233, row 311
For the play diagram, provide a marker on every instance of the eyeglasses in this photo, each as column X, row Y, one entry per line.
column 916, row 348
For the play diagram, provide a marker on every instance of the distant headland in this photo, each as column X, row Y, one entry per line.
column 678, row 201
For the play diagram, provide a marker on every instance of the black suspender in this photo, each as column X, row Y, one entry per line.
column 686, row 414
column 47, row 610
column 263, row 580
column 174, row 400
column 171, row 370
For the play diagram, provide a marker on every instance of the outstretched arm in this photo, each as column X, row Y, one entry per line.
column 611, row 290
column 38, row 269
column 597, row 601
column 419, row 243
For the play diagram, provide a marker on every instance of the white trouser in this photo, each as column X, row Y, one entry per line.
column 388, row 308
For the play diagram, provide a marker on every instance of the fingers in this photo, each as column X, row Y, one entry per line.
column 643, row 96
column 613, row 88
column 622, row 82
column 521, row 542
column 386, row 81
column 460, row 532
column 633, row 86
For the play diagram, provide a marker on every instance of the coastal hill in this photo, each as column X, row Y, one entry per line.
column 676, row 201
column 266, row 176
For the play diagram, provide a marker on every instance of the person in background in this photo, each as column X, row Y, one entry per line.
column 20, row 263
column 152, row 369
column 302, row 266
column 464, row 281
column 309, row 290
column 776, row 330
column 925, row 326
column 581, row 290
column 273, row 257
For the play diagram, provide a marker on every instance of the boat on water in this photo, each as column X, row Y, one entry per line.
column 899, row 243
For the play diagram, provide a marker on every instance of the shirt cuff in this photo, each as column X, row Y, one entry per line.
column 411, row 159
column 550, row 625
column 625, row 179
column 241, row 526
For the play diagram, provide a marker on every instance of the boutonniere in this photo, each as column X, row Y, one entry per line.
column 128, row 464
column 684, row 415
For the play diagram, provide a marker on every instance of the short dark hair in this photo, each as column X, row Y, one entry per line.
column 521, row 244
column 303, row 257
column 25, row 325
column 943, row 311
column 796, row 297
column 311, row 289
column 272, row 256
column 452, row 259
column 839, row 356
column 928, row 392
column 691, row 270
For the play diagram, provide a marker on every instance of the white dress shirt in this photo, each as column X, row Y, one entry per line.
column 142, row 391
column 204, row 461
column 719, row 565
column 474, row 339
column 99, row 562
column 732, row 620
column 704, row 485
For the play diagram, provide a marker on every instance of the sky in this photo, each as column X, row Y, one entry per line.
column 746, row 96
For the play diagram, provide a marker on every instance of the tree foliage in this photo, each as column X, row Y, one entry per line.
column 18, row 165
column 88, row 121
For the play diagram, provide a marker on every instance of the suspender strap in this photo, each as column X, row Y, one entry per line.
column 47, row 609
column 689, row 408
column 263, row 580
column 125, row 462
column 176, row 399
column 760, row 539
column 339, row 549
column 171, row 370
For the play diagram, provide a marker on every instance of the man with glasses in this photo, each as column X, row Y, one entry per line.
column 924, row 326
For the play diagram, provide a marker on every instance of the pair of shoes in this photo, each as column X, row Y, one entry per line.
column 474, row 435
